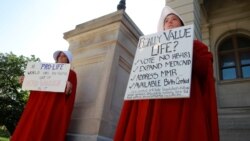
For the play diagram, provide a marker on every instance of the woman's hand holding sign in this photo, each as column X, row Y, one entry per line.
column 68, row 89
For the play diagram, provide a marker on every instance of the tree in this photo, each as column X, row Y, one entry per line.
column 12, row 97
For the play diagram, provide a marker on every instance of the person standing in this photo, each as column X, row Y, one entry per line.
column 182, row 119
column 47, row 115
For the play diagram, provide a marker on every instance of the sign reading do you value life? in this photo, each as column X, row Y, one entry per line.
column 162, row 65
column 46, row 76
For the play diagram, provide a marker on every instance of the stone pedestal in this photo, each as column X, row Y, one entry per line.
column 103, row 52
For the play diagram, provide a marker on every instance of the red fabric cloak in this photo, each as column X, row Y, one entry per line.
column 186, row 119
column 46, row 115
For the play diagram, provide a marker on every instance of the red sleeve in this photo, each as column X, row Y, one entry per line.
column 70, row 99
column 73, row 79
column 201, row 59
column 203, row 67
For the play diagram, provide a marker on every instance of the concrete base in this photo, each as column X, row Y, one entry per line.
column 79, row 137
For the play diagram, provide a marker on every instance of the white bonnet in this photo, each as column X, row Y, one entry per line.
column 67, row 53
column 165, row 12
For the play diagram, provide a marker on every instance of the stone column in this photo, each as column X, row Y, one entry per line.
column 103, row 52
column 189, row 10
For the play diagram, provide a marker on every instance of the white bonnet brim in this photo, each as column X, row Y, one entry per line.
column 165, row 12
column 67, row 53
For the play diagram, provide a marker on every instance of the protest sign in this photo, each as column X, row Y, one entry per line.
column 46, row 76
column 162, row 65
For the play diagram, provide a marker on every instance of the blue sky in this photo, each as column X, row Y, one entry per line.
column 36, row 26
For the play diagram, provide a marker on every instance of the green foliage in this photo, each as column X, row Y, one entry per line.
column 4, row 132
column 12, row 97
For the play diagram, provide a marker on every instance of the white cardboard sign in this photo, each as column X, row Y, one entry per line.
column 46, row 76
column 162, row 65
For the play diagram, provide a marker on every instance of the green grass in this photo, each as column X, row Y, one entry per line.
column 4, row 139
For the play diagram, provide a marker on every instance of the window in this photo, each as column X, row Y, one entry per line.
column 234, row 57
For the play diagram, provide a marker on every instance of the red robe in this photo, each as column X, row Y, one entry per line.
column 47, row 115
column 185, row 119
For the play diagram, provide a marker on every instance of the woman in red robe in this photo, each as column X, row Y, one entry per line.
column 182, row 119
column 47, row 115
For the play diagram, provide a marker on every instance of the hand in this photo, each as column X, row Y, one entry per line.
column 68, row 88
